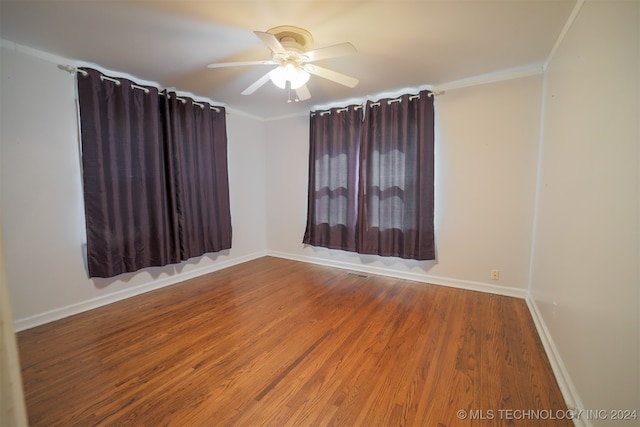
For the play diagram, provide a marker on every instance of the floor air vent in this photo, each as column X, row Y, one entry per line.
column 360, row 275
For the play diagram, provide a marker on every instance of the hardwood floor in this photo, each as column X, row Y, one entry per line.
column 274, row 342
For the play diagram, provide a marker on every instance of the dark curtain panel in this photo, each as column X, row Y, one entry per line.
column 333, row 178
column 128, row 219
column 396, row 178
column 197, row 141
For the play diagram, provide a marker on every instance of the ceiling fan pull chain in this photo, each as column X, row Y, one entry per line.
column 296, row 99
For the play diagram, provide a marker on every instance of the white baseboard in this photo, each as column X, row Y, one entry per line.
column 568, row 390
column 416, row 277
column 69, row 310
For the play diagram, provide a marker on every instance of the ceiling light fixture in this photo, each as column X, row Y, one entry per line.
column 293, row 61
column 291, row 72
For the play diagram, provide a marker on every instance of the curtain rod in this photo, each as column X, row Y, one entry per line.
column 411, row 98
column 375, row 104
column 194, row 102
column 71, row 69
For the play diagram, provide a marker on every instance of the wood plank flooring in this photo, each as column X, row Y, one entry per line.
column 274, row 342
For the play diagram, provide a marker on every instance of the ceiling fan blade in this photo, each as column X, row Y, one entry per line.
column 336, row 50
column 303, row 93
column 256, row 85
column 271, row 41
column 325, row 73
column 239, row 64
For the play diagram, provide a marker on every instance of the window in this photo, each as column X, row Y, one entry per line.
column 388, row 210
column 154, row 176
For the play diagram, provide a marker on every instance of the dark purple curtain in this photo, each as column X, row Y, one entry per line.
column 154, row 174
column 333, row 178
column 128, row 219
column 197, row 140
column 396, row 178
column 371, row 178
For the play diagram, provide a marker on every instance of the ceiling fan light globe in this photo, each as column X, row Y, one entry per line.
column 301, row 78
column 289, row 71
column 278, row 77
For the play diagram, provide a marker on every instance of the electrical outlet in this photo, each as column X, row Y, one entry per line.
column 495, row 274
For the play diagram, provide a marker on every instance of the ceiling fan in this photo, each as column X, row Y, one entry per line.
column 289, row 52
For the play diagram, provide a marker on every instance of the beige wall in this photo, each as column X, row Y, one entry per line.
column 486, row 154
column 12, row 407
column 41, row 196
column 585, row 272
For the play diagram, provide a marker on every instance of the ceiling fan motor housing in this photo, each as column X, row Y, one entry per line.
column 293, row 38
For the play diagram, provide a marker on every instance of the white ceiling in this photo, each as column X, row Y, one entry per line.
column 400, row 43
